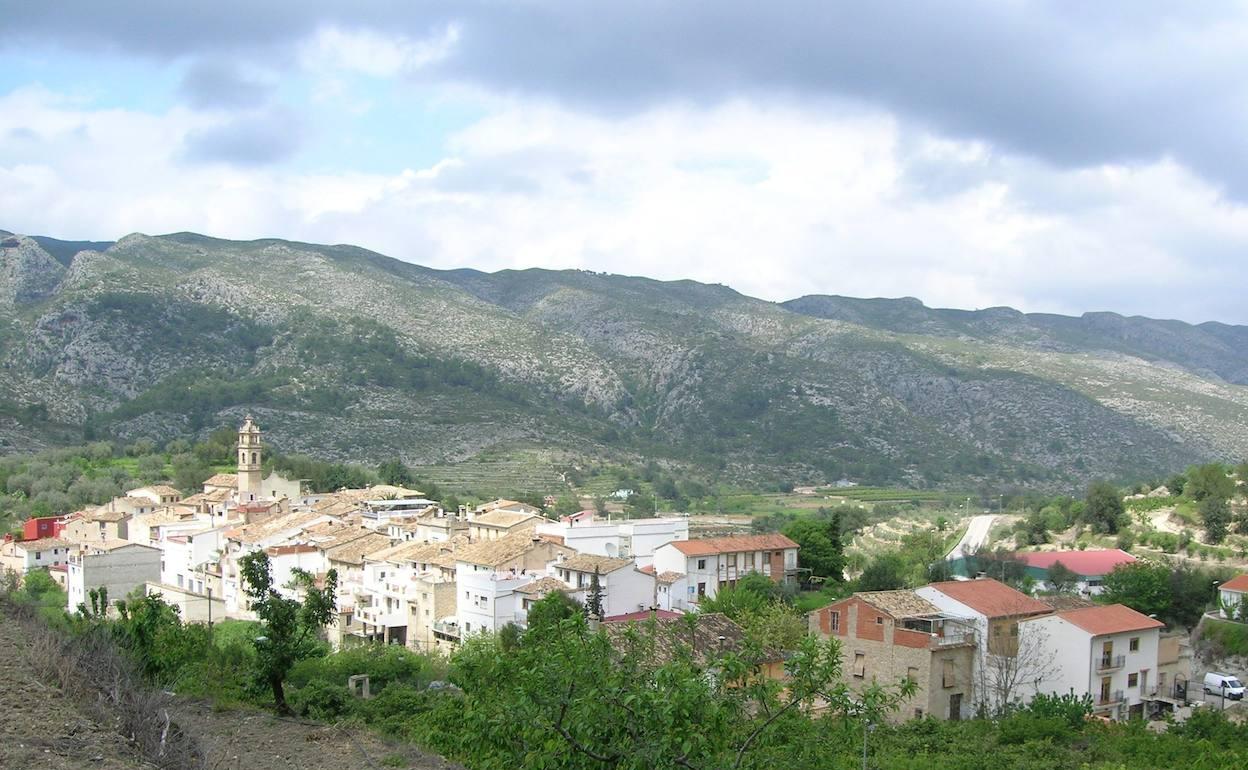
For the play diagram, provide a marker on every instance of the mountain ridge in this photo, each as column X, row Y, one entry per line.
column 354, row 355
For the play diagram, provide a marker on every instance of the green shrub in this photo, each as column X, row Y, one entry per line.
column 322, row 700
column 384, row 665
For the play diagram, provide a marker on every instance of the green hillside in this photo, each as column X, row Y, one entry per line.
column 349, row 355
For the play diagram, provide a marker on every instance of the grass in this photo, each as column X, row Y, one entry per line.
column 1230, row 637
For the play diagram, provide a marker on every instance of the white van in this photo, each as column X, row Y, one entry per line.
column 1224, row 685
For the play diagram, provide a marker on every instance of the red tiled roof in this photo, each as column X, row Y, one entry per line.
column 641, row 615
column 1237, row 583
column 1109, row 619
column 715, row 545
column 1086, row 563
column 991, row 598
column 648, row 569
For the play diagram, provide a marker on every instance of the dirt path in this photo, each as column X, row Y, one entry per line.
column 256, row 740
column 40, row 729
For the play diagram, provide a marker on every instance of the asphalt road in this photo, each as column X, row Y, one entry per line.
column 976, row 534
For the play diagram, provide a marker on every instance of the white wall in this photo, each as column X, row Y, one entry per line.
column 120, row 571
column 486, row 600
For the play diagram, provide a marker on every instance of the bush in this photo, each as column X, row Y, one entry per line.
column 322, row 700
column 384, row 665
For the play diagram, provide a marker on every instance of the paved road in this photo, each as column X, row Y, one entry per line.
column 975, row 536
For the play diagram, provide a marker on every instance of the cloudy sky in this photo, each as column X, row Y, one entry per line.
column 1055, row 157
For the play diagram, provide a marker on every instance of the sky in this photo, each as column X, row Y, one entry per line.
column 1053, row 157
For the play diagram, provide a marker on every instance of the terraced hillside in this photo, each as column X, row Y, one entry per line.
column 348, row 354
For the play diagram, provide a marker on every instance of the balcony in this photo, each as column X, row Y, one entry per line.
column 1110, row 662
column 1104, row 701
column 446, row 631
column 965, row 638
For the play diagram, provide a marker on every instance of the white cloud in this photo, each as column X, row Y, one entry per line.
column 374, row 53
column 776, row 202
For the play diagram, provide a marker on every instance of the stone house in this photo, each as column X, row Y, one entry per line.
column 888, row 636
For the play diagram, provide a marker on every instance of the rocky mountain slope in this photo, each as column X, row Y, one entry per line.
column 349, row 354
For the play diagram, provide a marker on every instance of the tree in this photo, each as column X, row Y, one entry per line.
column 1004, row 672
column 751, row 594
column 1062, row 579
column 593, row 600
column 1103, row 509
column 821, row 550
column 395, row 473
column 551, row 609
column 1215, row 513
column 1209, row 480
column 1241, row 476
column 885, row 573
column 290, row 627
column 1142, row 585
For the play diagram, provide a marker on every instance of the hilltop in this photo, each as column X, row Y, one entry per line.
column 350, row 355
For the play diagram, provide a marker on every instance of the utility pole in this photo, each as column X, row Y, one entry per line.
column 210, row 610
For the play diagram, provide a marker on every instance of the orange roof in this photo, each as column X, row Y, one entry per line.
column 1109, row 619
column 715, row 545
column 991, row 598
column 1237, row 583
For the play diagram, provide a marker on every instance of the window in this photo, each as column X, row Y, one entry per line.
column 836, row 621
column 701, row 589
column 918, row 713
column 948, row 678
column 879, row 620
column 1134, row 644
column 701, row 563
column 1133, row 680
column 38, row 555
column 860, row 664
column 732, row 560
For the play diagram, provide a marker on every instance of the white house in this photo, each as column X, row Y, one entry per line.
column 119, row 570
column 21, row 556
column 712, row 563
column 993, row 610
column 1108, row 652
column 1089, row 567
column 636, row 539
column 488, row 573
column 1231, row 595
column 623, row 586
column 405, row 589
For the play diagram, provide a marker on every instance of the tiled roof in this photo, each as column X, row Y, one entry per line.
column 419, row 552
column 1087, row 563
column 669, row 577
column 223, row 480
column 493, row 553
column 1237, row 583
column 642, row 615
column 254, row 533
column 900, row 604
column 705, row 635
column 991, row 598
column 587, row 562
column 1109, row 619
column 103, row 514
column 505, row 519
column 160, row 489
column 543, row 586
column 43, row 544
column 355, row 551
column 733, row 544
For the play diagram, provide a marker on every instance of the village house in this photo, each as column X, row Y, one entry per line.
column 635, row 539
column 405, row 590
column 1090, row 567
column 510, row 506
column 712, row 563
column 488, row 573
column 888, row 636
column 1231, row 596
column 993, row 610
column 39, row 527
column 1109, row 652
column 500, row 523
column 624, row 588
column 159, row 494
column 119, row 567
column 103, row 523
column 21, row 556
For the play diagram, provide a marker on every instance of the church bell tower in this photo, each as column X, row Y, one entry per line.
column 250, row 460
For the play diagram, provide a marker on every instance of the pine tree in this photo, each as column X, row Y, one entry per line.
column 593, row 602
